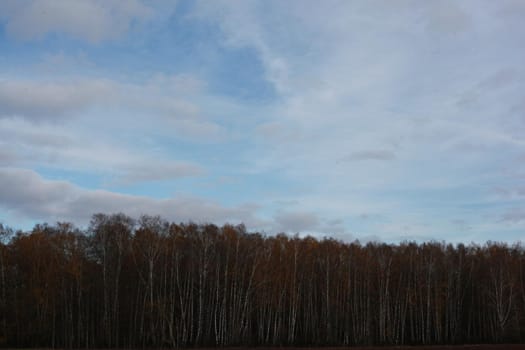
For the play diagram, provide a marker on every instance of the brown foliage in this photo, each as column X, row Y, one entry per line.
column 150, row 283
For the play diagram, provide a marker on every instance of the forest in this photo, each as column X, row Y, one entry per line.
column 146, row 282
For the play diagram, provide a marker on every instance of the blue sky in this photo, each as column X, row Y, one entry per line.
column 370, row 120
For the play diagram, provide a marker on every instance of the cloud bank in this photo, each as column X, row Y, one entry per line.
column 374, row 119
column 92, row 20
column 25, row 193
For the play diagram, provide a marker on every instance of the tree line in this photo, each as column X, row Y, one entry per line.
column 151, row 283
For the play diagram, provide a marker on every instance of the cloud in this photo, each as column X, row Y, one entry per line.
column 445, row 17
column 197, row 130
column 7, row 157
column 336, row 228
column 495, row 85
column 387, row 108
column 66, row 148
column 179, row 84
column 511, row 10
column 501, row 79
column 233, row 15
column 369, row 155
column 308, row 222
column 163, row 104
column 91, row 20
column 64, row 63
column 158, row 172
column 296, row 221
column 514, row 215
column 51, row 100
column 461, row 224
column 362, row 76
column 510, row 193
column 25, row 193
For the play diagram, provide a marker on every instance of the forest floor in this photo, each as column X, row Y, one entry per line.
column 446, row 347
column 430, row 347
column 451, row 347
column 415, row 347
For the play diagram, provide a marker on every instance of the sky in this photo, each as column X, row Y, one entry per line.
column 370, row 120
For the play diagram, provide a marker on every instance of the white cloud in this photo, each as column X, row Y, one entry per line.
column 382, row 107
column 196, row 130
column 234, row 15
column 445, row 17
column 64, row 98
column 378, row 81
column 369, row 155
column 171, row 101
column 302, row 222
column 52, row 100
column 24, row 193
column 158, row 171
column 514, row 215
column 90, row 20
column 366, row 71
column 296, row 222
column 90, row 125
column 67, row 148
column 7, row 157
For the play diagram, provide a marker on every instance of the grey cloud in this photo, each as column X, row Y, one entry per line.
column 514, row 215
column 299, row 221
column 296, row 221
column 466, row 146
column 278, row 132
column 39, row 100
column 60, row 62
column 369, row 155
column 180, row 84
column 335, row 228
column 194, row 129
column 500, row 79
column 493, row 83
column 7, row 157
column 51, row 146
column 369, row 216
column 39, row 144
column 334, row 222
column 511, row 10
column 502, row 192
column 445, row 17
column 364, row 216
column 461, row 224
column 25, row 193
column 20, row 133
column 369, row 239
column 60, row 99
column 412, row 238
column 286, row 202
column 519, row 110
column 159, row 172
column 509, row 192
column 90, row 20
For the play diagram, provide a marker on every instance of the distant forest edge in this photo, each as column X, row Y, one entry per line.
column 150, row 283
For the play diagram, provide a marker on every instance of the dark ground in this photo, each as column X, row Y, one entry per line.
column 449, row 347
column 415, row 347
column 429, row 347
